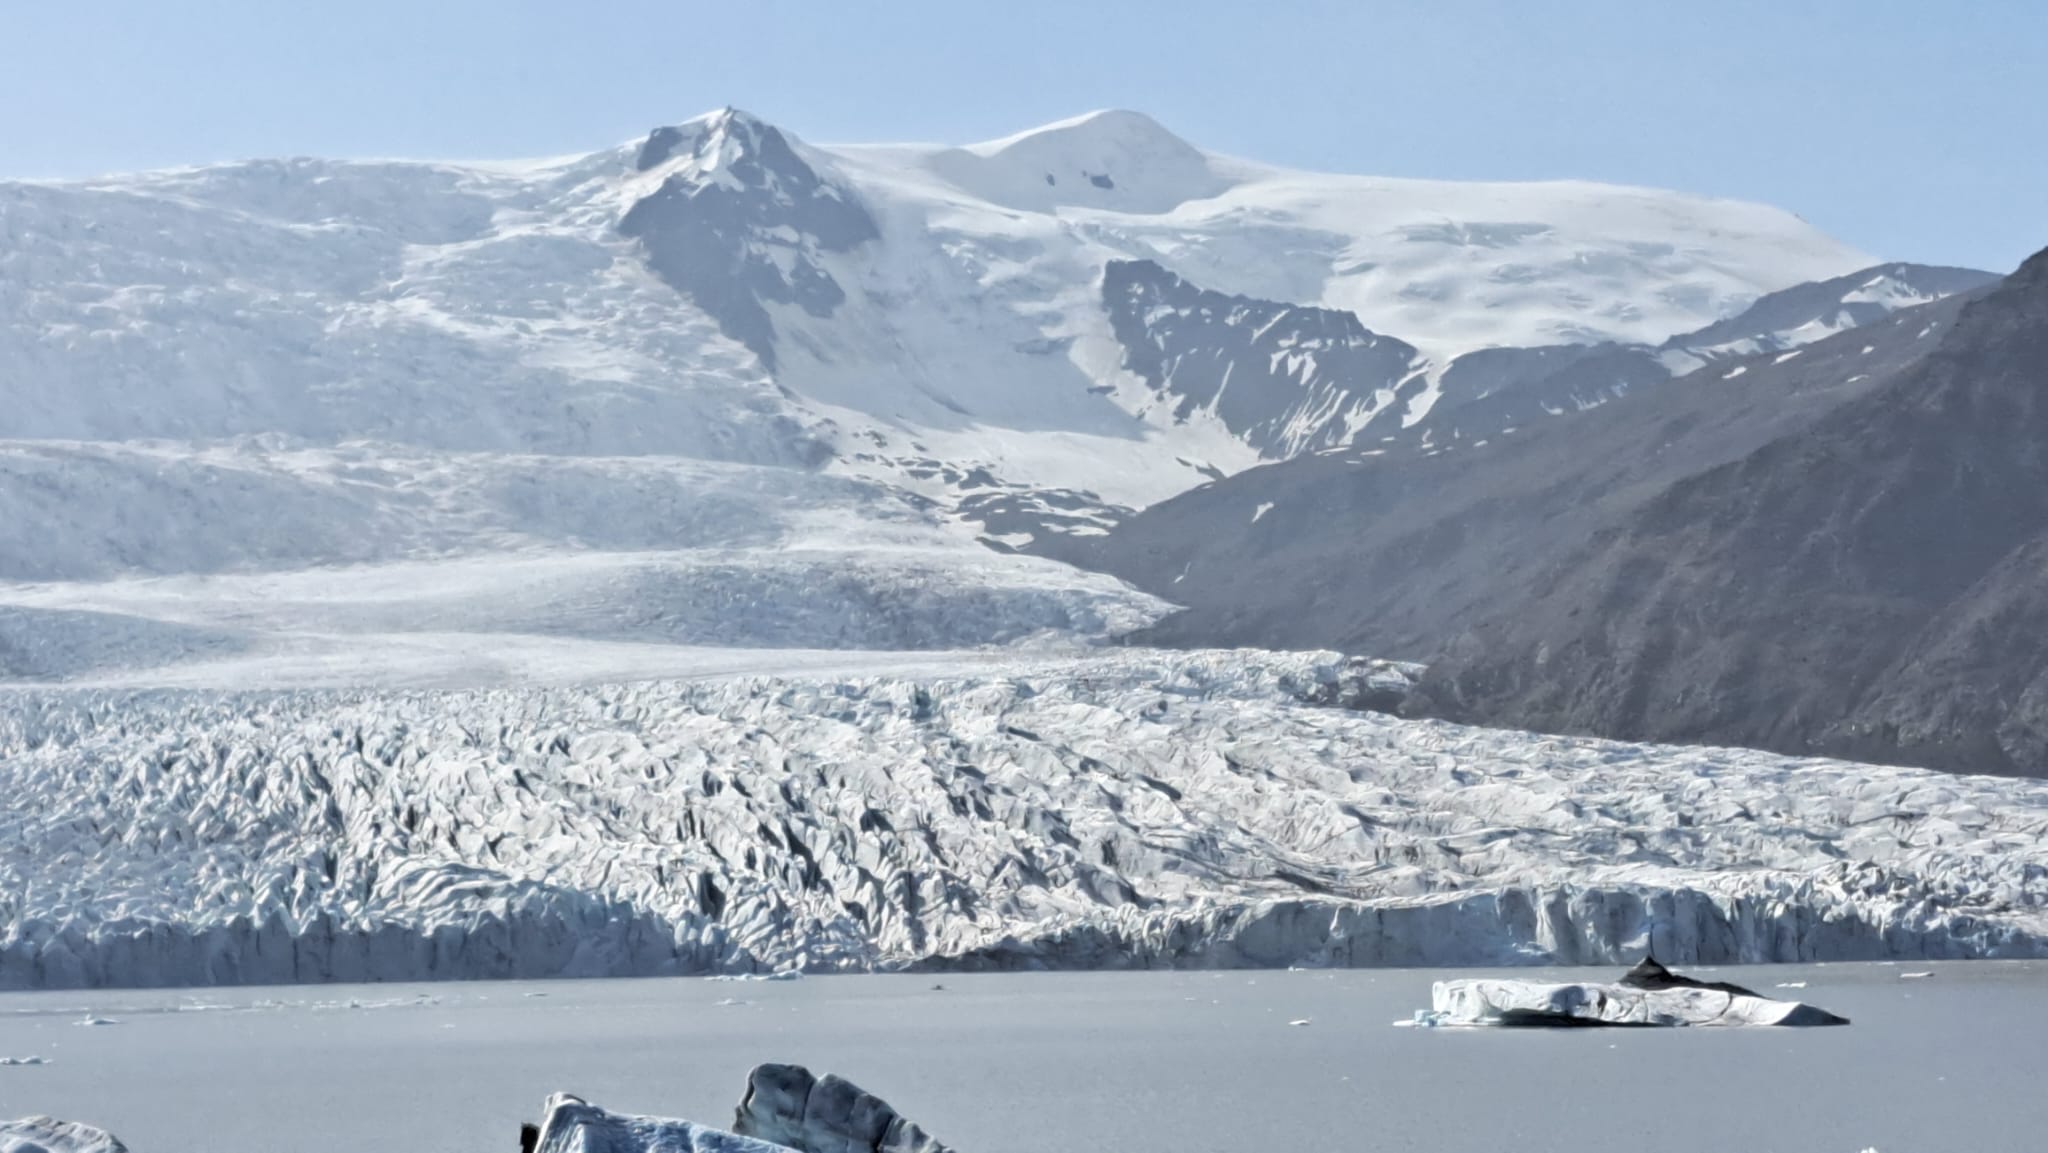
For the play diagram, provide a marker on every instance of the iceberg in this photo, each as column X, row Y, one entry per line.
column 49, row 1135
column 786, row 1109
column 1648, row 996
column 576, row 1126
column 786, row 1104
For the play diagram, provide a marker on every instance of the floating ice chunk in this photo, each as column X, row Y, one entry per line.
column 575, row 1126
column 789, row 1105
column 1791, row 984
column 784, row 975
column 1648, row 994
column 15, row 1061
column 1914, row 976
column 49, row 1135
column 94, row 1022
column 1298, row 1022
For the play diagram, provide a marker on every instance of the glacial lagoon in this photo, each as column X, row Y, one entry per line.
column 1947, row 1062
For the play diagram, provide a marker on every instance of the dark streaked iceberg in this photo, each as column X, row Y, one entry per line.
column 1647, row 996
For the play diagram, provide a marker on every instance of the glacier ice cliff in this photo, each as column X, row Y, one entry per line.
column 1129, row 809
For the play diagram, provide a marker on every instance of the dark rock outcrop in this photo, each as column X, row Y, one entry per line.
column 743, row 204
column 1290, row 379
column 1284, row 378
column 1864, row 585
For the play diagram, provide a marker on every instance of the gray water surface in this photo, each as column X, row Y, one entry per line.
column 1031, row 1063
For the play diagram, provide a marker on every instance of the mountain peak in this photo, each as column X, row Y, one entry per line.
column 1111, row 158
column 1104, row 126
column 729, row 130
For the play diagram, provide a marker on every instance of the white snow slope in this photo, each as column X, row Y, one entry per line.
column 390, row 374
column 1141, row 809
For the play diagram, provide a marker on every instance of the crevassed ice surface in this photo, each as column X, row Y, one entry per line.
column 1135, row 809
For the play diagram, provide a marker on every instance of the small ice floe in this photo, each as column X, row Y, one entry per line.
column 10, row 1061
column 1791, row 984
column 91, row 1022
column 727, row 1001
column 784, row 975
column 203, row 1007
column 1298, row 1022
column 420, row 1000
column 536, row 994
column 1914, row 976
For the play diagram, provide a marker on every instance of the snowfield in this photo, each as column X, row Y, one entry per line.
column 1137, row 809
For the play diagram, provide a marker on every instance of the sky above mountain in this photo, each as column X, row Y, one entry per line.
column 1901, row 128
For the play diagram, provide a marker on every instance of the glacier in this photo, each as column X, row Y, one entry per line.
column 1117, row 809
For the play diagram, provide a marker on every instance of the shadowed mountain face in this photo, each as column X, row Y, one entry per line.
column 1871, row 584
column 1829, row 549
column 738, row 222
column 1289, row 378
column 1284, row 378
column 1804, row 312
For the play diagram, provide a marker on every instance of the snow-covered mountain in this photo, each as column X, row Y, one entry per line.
column 458, row 448
column 681, row 377
column 1288, row 378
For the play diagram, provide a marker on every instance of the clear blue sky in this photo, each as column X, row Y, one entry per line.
column 1914, row 130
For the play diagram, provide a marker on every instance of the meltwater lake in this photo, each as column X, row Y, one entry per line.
column 1031, row 1063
